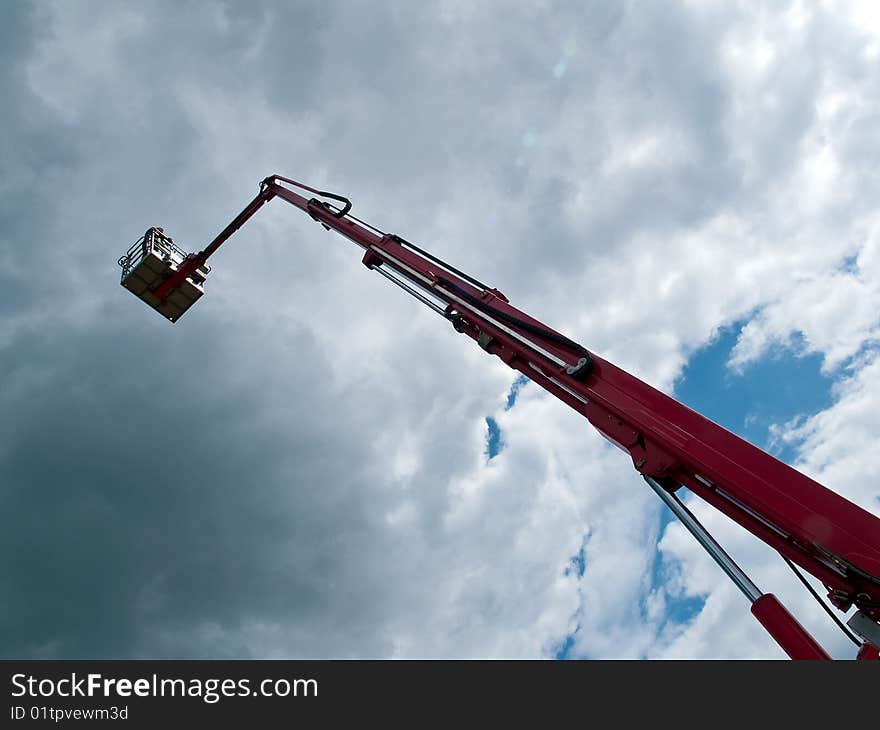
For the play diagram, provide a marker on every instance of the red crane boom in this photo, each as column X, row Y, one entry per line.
column 670, row 445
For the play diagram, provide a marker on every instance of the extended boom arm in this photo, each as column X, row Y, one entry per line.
column 670, row 445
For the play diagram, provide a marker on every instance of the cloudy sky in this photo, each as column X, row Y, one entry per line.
column 310, row 464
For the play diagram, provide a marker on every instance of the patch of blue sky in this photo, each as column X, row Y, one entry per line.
column 517, row 386
column 494, row 440
column 494, row 444
column 782, row 385
column 564, row 649
column 850, row 264
column 577, row 564
column 679, row 609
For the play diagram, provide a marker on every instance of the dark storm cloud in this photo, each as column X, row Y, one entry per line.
column 30, row 145
column 146, row 495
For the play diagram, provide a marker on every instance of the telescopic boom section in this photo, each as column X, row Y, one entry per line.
column 670, row 445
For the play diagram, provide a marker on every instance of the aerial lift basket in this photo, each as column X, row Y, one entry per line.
column 152, row 259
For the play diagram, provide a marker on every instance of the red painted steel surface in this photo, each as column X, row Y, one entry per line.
column 830, row 537
column 786, row 630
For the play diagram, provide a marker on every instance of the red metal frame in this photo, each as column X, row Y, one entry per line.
column 830, row 537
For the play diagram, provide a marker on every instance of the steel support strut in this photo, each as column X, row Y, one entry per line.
column 774, row 617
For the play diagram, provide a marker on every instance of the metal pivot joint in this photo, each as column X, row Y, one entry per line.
column 582, row 369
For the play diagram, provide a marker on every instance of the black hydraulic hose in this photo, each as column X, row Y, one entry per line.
column 822, row 603
column 440, row 262
column 533, row 329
